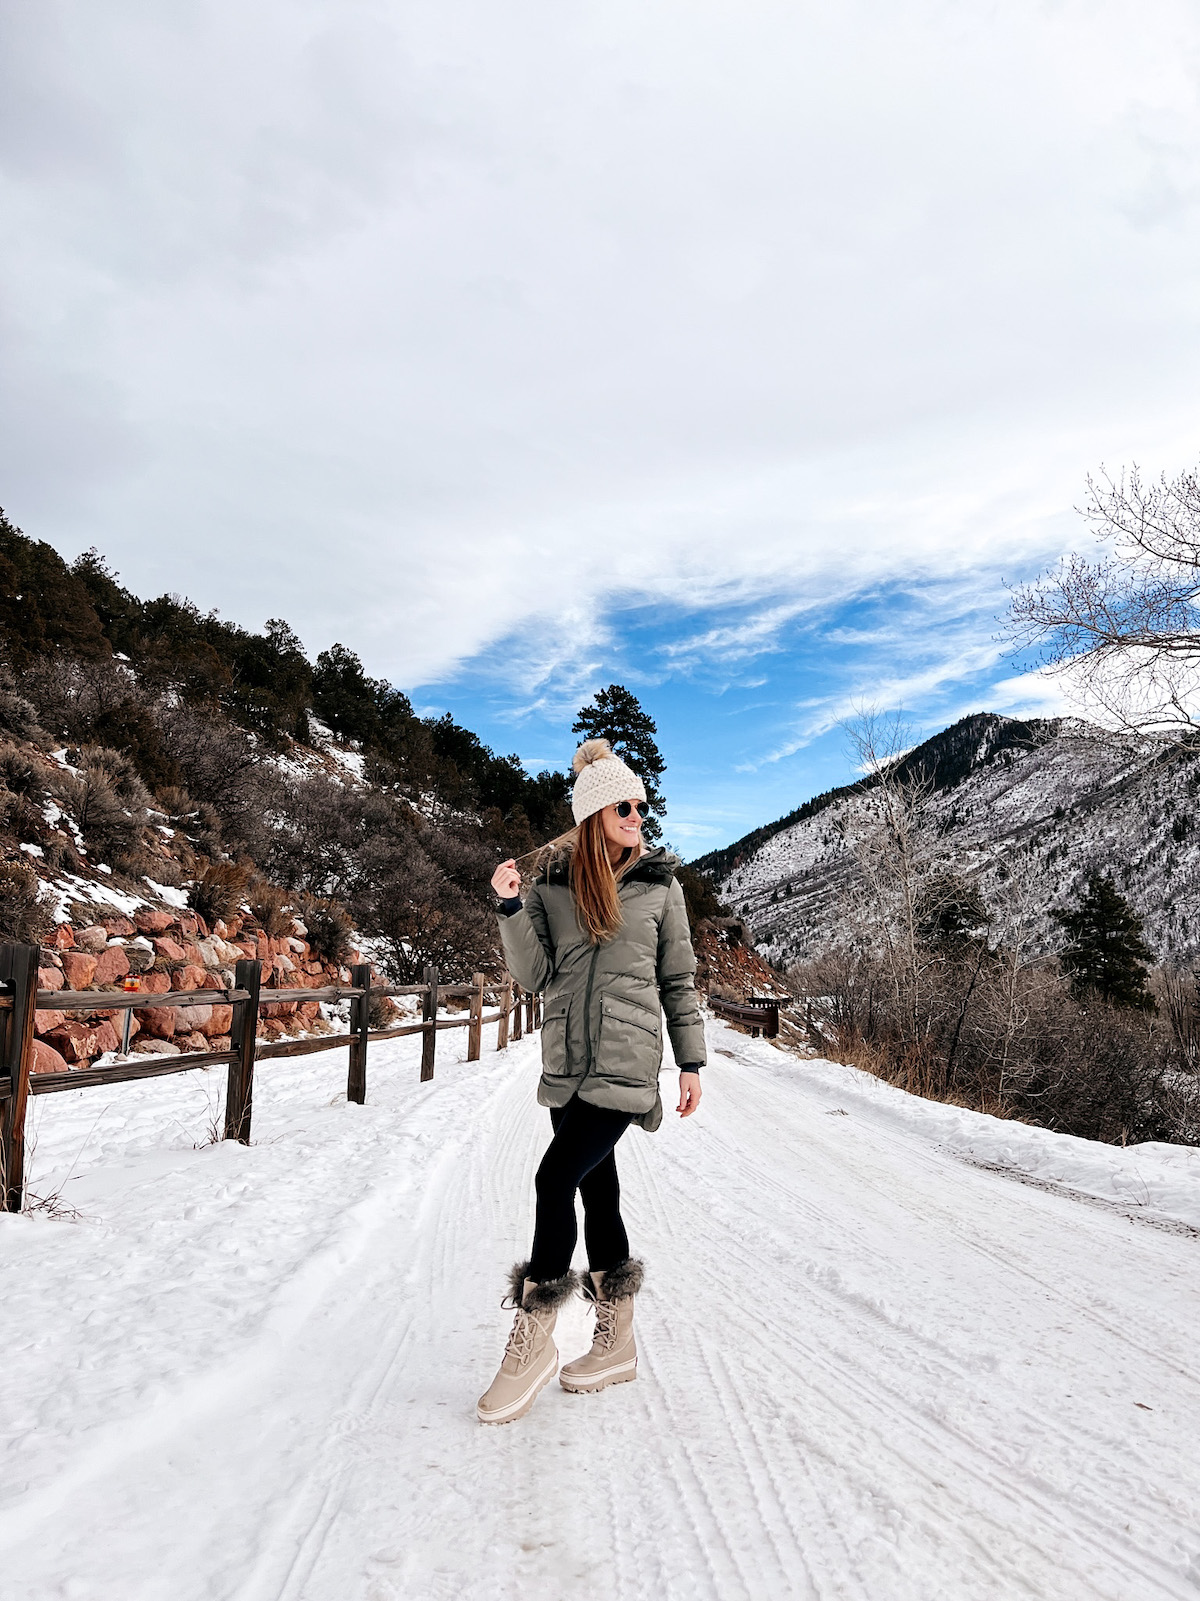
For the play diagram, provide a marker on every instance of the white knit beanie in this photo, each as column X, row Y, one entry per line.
column 602, row 779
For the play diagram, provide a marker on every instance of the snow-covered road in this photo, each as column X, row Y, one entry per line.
column 871, row 1368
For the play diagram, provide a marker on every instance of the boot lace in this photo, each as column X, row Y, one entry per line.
column 606, row 1324
column 520, row 1341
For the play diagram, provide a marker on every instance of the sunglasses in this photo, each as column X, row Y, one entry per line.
column 623, row 808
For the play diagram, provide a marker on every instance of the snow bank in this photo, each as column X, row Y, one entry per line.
column 1155, row 1182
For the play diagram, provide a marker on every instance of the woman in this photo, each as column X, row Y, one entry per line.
column 603, row 934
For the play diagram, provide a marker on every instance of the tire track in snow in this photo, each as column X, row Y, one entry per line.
column 878, row 1399
column 730, row 1290
column 491, row 1165
column 669, row 1315
column 834, row 1399
column 732, row 1493
column 307, row 1526
column 973, row 1240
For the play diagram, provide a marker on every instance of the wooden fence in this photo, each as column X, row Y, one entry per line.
column 20, row 998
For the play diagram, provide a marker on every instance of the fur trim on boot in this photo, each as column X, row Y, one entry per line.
column 542, row 1297
column 618, row 1282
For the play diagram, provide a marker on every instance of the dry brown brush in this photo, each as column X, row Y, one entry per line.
column 952, row 999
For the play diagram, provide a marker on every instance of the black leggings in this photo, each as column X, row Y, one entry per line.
column 579, row 1157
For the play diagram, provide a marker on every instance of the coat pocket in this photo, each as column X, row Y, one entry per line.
column 630, row 1045
column 555, row 1016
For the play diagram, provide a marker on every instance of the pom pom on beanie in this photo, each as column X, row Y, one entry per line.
column 592, row 750
column 601, row 779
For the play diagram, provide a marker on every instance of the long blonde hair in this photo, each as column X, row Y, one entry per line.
column 591, row 876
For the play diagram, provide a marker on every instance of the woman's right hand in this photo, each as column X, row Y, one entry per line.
column 506, row 881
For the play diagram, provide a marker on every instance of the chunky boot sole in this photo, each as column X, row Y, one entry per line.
column 518, row 1408
column 588, row 1384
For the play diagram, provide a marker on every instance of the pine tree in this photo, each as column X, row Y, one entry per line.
column 1105, row 952
column 617, row 716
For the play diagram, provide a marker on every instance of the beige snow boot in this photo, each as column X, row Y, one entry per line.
column 613, row 1356
column 531, row 1356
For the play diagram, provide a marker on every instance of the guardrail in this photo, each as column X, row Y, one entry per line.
column 760, row 1014
column 20, row 999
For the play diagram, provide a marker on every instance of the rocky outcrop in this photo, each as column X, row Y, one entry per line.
column 165, row 952
column 727, row 963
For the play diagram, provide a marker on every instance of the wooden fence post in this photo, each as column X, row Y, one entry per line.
column 537, row 1010
column 475, row 1027
column 529, row 1000
column 516, row 1016
column 429, row 1011
column 239, row 1097
column 18, row 971
column 360, row 1022
column 505, row 1009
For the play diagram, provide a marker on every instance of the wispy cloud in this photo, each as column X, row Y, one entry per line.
column 911, row 675
column 1030, row 694
column 755, row 635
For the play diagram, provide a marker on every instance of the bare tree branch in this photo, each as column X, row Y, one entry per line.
column 1124, row 631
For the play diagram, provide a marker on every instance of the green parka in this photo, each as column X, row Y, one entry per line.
column 602, row 1005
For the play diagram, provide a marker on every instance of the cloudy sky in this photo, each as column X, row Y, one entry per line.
column 739, row 352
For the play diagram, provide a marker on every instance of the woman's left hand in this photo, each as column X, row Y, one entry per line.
column 689, row 1094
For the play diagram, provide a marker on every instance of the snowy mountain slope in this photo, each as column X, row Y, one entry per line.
column 871, row 1367
column 1045, row 800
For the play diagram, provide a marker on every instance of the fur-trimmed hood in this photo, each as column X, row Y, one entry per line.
column 657, row 865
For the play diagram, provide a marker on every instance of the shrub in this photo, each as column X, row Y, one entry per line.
column 222, row 767
column 22, row 796
column 218, row 891
column 23, row 916
column 319, row 827
column 176, row 803
column 423, row 910
column 382, row 1011
column 330, row 928
column 17, row 773
column 18, row 717
column 271, row 909
column 108, row 802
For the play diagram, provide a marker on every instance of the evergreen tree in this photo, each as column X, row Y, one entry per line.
column 700, row 897
column 617, row 716
column 44, row 609
column 951, row 912
column 1105, row 952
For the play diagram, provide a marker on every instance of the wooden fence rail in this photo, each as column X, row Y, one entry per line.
column 20, row 998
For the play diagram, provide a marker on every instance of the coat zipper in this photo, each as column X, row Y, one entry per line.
column 587, row 1012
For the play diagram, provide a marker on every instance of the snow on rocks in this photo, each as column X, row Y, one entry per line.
column 167, row 893
column 66, row 888
column 869, row 1367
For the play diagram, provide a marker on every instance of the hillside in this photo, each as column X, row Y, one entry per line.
column 1031, row 804
column 177, row 791
column 944, row 760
